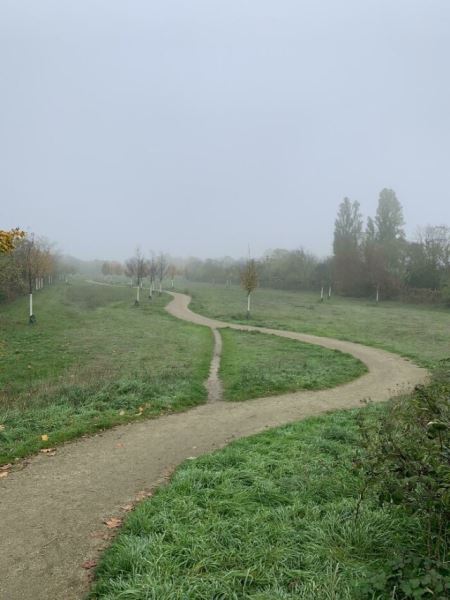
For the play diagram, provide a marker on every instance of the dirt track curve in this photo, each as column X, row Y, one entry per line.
column 51, row 512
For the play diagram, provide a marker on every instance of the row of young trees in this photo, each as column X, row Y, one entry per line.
column 139, row 269
column 27, row 264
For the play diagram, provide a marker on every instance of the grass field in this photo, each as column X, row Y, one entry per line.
column 419, row 332
column 270, row 517
column 275, row 516
column 255, row 364
column 91, row 361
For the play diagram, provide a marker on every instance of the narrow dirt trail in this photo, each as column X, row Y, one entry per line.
column 51, row 513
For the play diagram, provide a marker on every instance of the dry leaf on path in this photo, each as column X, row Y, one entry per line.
column 120, row 445
column 113, row 522
column 142, row 495
column 89, row 564
column 4, row 474
column 49, row 451
column 127, row 507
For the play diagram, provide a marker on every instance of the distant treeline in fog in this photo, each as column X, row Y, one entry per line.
column 369, row 259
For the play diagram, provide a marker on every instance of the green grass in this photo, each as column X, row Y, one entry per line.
column 91, row 360
column 419, row 332
column 255, row 364
column 270, row 517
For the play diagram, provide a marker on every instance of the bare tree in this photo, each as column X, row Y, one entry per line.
column 152, row 272
column 161, row 269
column 249, row 281
column 136, row 268
column 28, row 254
column 172, row 270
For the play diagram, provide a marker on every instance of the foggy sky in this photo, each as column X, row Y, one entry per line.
column 200, row 127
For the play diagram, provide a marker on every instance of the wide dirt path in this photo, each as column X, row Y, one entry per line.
column 51, row 513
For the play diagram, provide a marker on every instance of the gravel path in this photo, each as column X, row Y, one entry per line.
column 52, row 512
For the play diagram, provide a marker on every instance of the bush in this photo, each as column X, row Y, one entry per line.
column 406, row 461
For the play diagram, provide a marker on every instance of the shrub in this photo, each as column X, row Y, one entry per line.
column 406, row 461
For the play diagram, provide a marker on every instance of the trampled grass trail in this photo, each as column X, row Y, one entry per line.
column 51, row 513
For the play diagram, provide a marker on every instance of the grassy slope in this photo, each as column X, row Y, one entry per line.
column 270, row 517
column 110, row 359
column 419, row 332
column 254, row 365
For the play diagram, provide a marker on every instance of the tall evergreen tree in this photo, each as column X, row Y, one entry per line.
column 389, row 218
column 347, row 247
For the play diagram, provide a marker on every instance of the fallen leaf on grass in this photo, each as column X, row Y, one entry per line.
column 121, row 413
column 113, row 522
column 2, row 428
column 89, row 564
column 44, row 437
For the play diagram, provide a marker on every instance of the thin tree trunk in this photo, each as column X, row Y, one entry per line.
column 321, row 294
column 329, row 292
column 248, row 305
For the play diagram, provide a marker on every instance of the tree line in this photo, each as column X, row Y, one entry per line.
column 372, row 259
column 27, row 264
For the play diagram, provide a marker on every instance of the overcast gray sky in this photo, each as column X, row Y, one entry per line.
column 198, row 127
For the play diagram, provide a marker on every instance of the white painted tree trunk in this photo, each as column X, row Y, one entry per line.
column 378, row 294
column 248, row 305
column 321, row 294
column 329, row 292
column 137, row 293
column 172, row 283
column 31, row 305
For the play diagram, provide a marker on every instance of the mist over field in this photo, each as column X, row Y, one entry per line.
column 201, row 128
column 224, row 299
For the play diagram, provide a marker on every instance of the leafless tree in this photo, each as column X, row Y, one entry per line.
column 162, row 265
column 172, row 270
column 136, row 268
column 152, row 272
